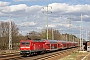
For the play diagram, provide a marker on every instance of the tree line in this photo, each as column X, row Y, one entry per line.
column 56, row 35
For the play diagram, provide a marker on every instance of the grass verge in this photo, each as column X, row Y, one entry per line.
column 75, row 56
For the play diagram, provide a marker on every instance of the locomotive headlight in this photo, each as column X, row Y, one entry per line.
column 27, row 52
column 20, row 51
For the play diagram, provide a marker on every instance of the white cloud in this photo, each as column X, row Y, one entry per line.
column 34, row 8
column 20, row 10
column 51, row 25
column 79, row 8
column 86, row 16
column 65, row 25
column 57, row 9
column 27, row 24
column 40, row 28
column 14, row 8
column 64, row 8
column 3, row 4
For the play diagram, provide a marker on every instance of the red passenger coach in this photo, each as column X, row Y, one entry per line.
column 60, row 44
column 51, row 45
column 75, row 44
column 64, row 44
column 29, row 47
column 68, row 43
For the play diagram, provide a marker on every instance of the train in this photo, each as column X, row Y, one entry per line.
column 31, row 47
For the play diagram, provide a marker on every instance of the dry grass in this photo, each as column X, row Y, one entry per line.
column 75, row 56
column 88, row 57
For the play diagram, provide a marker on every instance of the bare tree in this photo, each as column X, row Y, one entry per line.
column 4, row 33
column 33, row 35
column 4, row 29
column 56, row 34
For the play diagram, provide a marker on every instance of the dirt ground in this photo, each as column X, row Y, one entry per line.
column 78, row 55
column 8, row 51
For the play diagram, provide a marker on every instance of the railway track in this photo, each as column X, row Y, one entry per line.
column 48, row 56
column 11, row 56
column 56, row 55
column 52, row 56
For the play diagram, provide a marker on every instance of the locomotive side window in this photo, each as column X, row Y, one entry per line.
column 48, row 44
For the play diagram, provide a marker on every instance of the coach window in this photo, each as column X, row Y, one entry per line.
column 48, row 44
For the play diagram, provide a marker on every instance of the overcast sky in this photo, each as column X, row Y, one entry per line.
column 31, row 14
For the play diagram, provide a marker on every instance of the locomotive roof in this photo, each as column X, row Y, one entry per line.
column 66, row 41
column 38, row 40
column 62, row 40
column 52, row 41
column 34, row 40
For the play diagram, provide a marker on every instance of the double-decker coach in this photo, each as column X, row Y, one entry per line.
column 68, row 43
column 51, row 45
column 60, row 44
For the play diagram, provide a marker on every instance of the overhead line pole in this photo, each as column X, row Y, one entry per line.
column 47, row 19
column 81, row 36
column 82, row 31
column 47, row 22
column 70, row 34
column 10, row 34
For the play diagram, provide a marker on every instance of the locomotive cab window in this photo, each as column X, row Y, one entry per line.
column 25, row 43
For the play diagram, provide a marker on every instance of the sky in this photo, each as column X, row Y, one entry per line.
column 63, row 15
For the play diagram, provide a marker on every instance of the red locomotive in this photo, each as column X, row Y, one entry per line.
column 30, row 47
